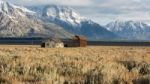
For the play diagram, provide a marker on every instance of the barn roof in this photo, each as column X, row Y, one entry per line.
column 80, row 37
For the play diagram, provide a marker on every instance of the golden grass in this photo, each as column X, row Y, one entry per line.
column 91, row 65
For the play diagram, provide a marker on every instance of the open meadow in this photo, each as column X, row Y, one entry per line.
column 91, row 65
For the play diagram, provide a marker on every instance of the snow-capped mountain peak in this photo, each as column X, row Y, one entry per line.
column 59, row 12
column 130, row 29
column 64, row 13
column 10, row 9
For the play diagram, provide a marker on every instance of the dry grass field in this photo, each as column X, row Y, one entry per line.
column 91, row 65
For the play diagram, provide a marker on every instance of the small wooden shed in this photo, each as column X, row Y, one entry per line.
column 52, row 43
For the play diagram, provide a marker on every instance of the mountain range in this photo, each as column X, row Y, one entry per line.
column 72, row 21
column 63, row 22
column 16, row 21
column 47, row 21
column 131, row 30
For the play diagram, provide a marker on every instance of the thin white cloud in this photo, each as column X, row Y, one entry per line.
column 61, row 2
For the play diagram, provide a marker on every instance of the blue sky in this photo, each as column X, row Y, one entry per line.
column 102, row 11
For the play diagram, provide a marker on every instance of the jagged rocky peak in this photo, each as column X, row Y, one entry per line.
column 9, row 8
column 63, row 12
column 6, row 7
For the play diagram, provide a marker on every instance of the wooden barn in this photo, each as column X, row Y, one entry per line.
column 81, row 40
column 76, row 41
column 52, row 43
